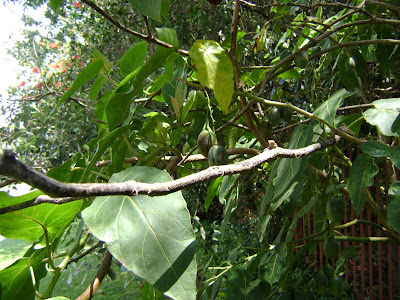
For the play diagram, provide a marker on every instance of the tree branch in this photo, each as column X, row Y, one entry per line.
column 101, row 273
column 132, row 32
column 68, row 192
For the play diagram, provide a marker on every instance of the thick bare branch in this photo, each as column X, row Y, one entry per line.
column 67, row 192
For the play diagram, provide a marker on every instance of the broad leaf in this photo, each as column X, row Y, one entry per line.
column 376, row 149
column 168, row 35
column 286, row 178
column 22, row 225
column 290, row 74
column 149, row 8
column 275, row 264
column 327, row 110
column 395, row 156
column 16, row 280
column 117, row 109
column 361, row 176
column 212, row 190
column 55, row 4
column 151, row 236
column 214, row 70
column 393, row 208
column 133, row 59
column 12, row 250
column 87, row 74
column 97, row 55
column 384, row 115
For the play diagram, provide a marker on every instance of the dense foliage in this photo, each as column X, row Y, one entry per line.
column 133, row 90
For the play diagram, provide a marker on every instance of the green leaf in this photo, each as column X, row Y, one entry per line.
column 103, row 146
column 22, row 225
column 117, row 109
column 384, row 115
column 168, row 35
column 55, row 4
column 149, row 8
column 97, row 55
column 286, row 178
column 395, row 156
column 151, row 236
column 212, row 190
column 96, row 87
column 376, row 149
column 12, row 250
column 361, row 176
column 393, row 209
column 275, row 264
column 214, row 70
column 16, row 280
column 290, row 74
column 133, row 59
column 327, row 110
column 87, row 74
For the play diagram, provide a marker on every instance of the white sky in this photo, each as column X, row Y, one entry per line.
column 11, row 26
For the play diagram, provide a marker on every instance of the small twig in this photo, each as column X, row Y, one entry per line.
column 94, row 247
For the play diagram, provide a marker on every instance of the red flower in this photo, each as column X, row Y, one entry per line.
column 77, row 4
column 22, row 84
column 36, row 70
column 64, row 70
column 67, row 88
column 39, row 86
column 53, row 45
column 56, row 66
column 58, row 84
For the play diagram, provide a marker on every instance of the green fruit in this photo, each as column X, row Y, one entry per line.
column 331, row 247
column 301, row 60
column 205, row 141
column 286, row 114
column 321, row 283
column 274, row 116
column 335, row 210
column 328, row 271
column 336, row 286
column 217, row 156
column 285, row 53
column 266, row 129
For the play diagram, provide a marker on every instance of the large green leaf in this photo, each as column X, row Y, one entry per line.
column 393, row 209
column 16, row 280
column 87, row 74
column 22, row 225
column 327, row 110
column 214, row 70
column 12, row 250
column 376, row 149
column 395, row 156
column 285, row 181
column 384, row 115
column 149, row 8
column 133, row 59
column 361, row 176
column 117, row 109
column 275, row 264
column 151, row 236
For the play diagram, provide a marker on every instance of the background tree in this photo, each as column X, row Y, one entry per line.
column 129, row 91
